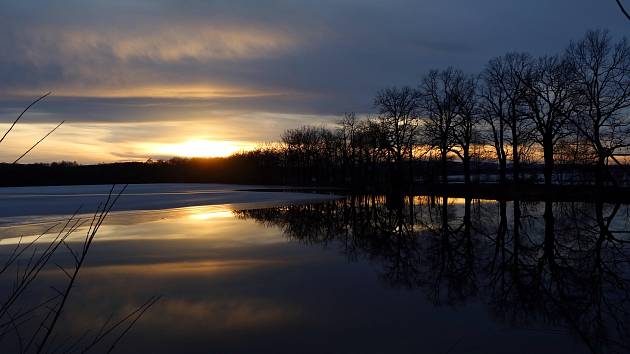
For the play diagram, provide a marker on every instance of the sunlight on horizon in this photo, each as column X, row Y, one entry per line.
column 202, row 148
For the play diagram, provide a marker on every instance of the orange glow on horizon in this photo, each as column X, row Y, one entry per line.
column 201, row 148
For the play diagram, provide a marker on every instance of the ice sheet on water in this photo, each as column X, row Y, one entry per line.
column 27, row 204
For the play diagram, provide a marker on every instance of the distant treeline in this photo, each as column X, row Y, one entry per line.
column 559, row 119
column 270, row 167
column 260, row 166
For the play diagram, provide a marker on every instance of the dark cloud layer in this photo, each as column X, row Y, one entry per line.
column 330, row 56
column 169, row 60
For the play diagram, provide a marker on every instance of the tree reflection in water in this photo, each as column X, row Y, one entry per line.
column 564, row 264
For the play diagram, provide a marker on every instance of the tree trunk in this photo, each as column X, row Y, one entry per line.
column 600, row 171
column 443, row 166
column 467, row 216
column 397, row 180
column 502, row 170
column 411, row 179
column 516, row 159
column 548, row 156
column 466, row 163
column 502, row 231
column 549, row 242
column 516, row 230
column 444, row 216
column 516, row 164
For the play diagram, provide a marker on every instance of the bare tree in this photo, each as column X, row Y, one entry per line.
column 492, row 103
column 398, row 115
column 439, row 91
column 466, row 122
column 502, row 109
column 311, row 152
column 348, row 132
column 550, row 97
column 602, row 71
column 371, row 147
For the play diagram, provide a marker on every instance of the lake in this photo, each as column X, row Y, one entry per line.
column 240, row 271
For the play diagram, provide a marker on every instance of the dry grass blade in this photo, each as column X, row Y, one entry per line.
column 97, row 221
column 36, row 264
column 17, row 252
column 143, row 309
column 27, row 312
column 21, row 114
column 623, row 9
column 37, row 143
column 45, row 336
column 131, row 318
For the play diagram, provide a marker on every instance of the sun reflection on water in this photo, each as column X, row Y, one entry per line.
column 214, row 214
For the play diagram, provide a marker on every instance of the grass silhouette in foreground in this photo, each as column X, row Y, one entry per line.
column 28, row 328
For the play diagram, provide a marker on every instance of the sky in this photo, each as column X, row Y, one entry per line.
column 141, row 79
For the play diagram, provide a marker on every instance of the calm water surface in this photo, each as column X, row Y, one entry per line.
column 356, row 275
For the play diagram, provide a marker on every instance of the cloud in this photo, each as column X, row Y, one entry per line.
column 196, row 42
column 224, row 62
column 158, row 61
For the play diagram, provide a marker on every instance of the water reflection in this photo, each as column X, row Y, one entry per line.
column 561, row 264
column 358, row 275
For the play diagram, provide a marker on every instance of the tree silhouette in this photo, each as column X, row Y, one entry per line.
column 602, row 73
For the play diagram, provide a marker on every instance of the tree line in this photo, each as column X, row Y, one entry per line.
column 571, row 107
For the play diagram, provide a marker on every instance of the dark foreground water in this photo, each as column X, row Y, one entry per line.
column 357, row 275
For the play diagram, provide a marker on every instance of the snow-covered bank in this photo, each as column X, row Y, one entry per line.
column 26, row 202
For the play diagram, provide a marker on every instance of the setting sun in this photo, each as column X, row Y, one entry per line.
column 202, row 148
